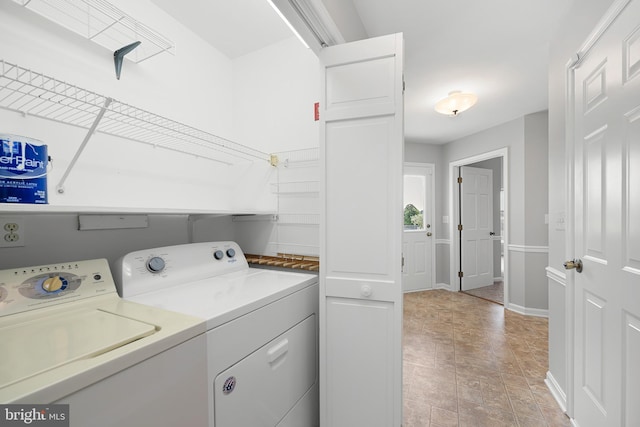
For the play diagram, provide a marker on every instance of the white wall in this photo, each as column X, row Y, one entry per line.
column 346, row 18
column 274, row 91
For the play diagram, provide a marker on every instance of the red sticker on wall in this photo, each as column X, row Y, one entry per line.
column 316, row 111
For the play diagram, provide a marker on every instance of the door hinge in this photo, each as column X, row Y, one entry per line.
column 459, row 180
column 459, row 227
column 460, row 274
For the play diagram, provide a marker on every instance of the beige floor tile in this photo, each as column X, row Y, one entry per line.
column 468, row 362
column 526, row 409
column 443, row 418
column 515, row 381
column 554, row 416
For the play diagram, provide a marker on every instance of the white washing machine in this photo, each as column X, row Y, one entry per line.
column 262, row 328
column 67, row 337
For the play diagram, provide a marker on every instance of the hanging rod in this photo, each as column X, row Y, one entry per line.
column 35, row 94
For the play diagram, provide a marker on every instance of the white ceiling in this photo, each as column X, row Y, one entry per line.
column 234, row 27
column 497, row 49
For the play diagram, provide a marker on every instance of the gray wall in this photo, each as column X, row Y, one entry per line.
column 54, row 238
column 526, row 141
column 536, row 172
column 527, row 187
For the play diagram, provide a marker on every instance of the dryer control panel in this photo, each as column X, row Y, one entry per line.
column 168, row 266
column 31, row 288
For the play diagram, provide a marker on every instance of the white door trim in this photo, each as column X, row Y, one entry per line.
column 453, row 208
column 432, row 213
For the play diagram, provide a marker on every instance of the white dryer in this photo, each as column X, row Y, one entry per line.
column 262, row 328
column 67, row 337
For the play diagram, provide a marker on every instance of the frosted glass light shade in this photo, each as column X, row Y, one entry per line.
column 456, row 103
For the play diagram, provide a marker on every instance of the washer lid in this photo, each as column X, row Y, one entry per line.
column 38, row 345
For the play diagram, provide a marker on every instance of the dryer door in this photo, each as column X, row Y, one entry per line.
column 260, row 389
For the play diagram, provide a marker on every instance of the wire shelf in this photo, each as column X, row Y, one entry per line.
column 35, row 94
column 298, row 219
column 104, row 24
column 296, row 187
column 299, row 158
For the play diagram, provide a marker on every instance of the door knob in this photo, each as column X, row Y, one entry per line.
column 491, row 233
column 429, row 234
column 575, row 263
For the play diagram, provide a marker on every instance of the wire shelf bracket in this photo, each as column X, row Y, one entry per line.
column 92, row 129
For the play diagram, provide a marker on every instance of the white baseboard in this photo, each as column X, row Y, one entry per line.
column 444, row 286
column 529, row 249
column 498, row 279
column 538, row 312
column 556, row 391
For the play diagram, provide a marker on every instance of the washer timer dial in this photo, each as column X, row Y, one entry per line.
column 53, row 284
column 155, row 264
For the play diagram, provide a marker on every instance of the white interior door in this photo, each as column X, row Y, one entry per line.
column 361, row 155
column 476, row 213
column 419, row 234
column 607, row 225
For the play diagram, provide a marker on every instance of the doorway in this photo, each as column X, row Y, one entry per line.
column 418, row 237
column 479, row 245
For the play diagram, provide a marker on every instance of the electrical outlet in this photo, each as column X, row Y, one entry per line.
column 13, row 229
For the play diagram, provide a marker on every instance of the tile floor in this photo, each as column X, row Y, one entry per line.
column 469, row 362
column 493, row 292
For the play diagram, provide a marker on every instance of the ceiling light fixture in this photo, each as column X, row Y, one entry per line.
column 456, row 103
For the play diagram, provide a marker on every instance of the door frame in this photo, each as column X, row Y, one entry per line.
column 454, row 207
column 432, row 214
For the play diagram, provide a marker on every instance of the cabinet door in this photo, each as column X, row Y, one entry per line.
column 361, row 145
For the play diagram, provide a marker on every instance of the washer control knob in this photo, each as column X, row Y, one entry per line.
column 52, row 284
column 155, row 264
column 218, row 254
column 231, row 252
